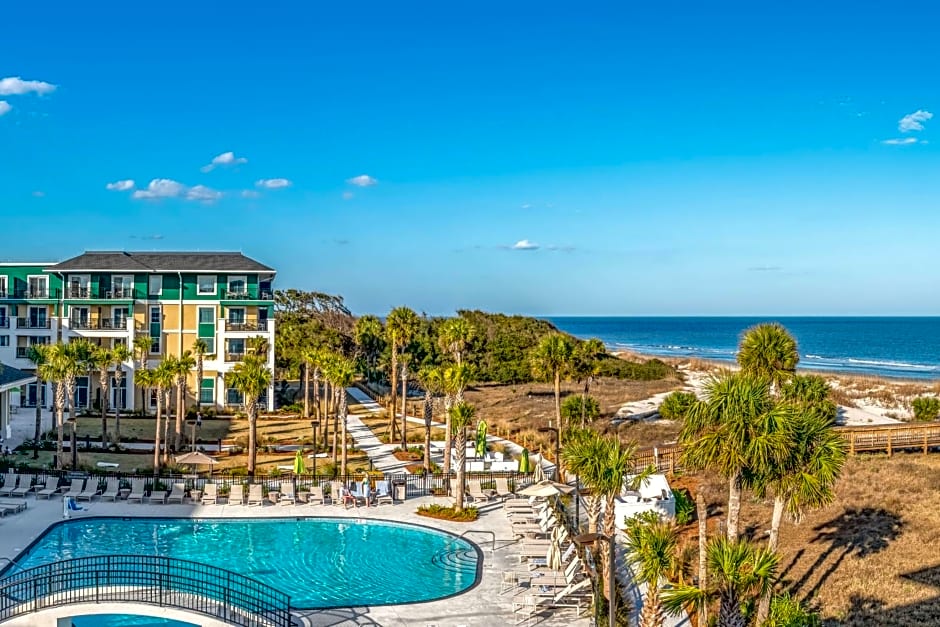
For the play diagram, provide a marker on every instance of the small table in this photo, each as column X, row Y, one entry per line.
column 274, row 497
column 303, row 496
column 195, row 496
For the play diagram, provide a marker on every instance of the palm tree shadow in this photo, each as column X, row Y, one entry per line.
column 860, row 532
column 871, row 611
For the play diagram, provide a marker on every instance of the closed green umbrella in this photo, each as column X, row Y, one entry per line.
column 481, row 439
column 299, row 467
column 524, row 461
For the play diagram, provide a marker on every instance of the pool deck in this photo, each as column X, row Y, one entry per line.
column 482, row 605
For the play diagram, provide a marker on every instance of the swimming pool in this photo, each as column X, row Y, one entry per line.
column 319, row 562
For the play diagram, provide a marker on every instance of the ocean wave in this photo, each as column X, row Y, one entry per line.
column 873, row 363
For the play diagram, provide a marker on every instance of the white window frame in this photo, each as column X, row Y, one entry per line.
column 228, row 344
column 201, row 389
column 156, row 346
column 199, row 280
column 4, row 284
column 199, row 311
column 4, row 340
column 151, row 279
column 84, row 282
column 43, row 279
column 127, row 282
column 238, row 277
column 114, row 316
column 244, row 316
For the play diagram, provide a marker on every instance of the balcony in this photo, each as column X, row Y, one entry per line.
column 86, row 293
column 33, row 323
column 37, row 293
column 98, row 324
column 4, row 323
column 249, row 293
column 235, row 356
column 247, row 327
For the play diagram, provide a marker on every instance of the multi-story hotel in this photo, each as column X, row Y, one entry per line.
column 111, row 298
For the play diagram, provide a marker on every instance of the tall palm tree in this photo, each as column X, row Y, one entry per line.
column 251, row 378
column 342, row 374
column 119, row 355
column 432, row 380
column 768, row 350
column 36, row 353
column 53, row 368
column 738, row 574
column 455, row 380
column 584, row 455
column 585, row 362
column 142, row 346
column 737, row 429
column 454, row 336
column 461, row 415
column 162, row 378
column 653, row 550
column 76, row 358
column 183, row 364
column 400, row 328
column 369, row 336
column 550, row 360
column 404, row 405
column 311, row 357
column 101, row 358
column 200, row 352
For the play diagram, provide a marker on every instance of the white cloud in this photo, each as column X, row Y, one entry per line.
column 16, row 86
column 272, row 183
column 526, row 206
column 348, row 195
column 914, row 121
column 901, row 141
column 4, row 107
column 250, row 193
column 39, row 194
column 120, row 186
column 363, row 180
column 168, row 188
column 225, row 159
column 524, row 244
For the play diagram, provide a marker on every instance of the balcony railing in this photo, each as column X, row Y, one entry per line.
column 235, row 356
column 99, row 324
column 248, row 293
column 86, row 293
column 33, row 323
column 259, row 325
column 39, row 293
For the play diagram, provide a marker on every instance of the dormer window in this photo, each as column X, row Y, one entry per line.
column 205, row 284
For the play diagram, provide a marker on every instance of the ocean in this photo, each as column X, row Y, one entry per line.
column 886, row 347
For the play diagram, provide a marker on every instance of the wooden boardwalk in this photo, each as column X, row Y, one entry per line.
column 874, row 439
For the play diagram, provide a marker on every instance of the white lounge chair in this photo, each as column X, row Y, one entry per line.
column 336, row 492
column 23, row 486
column 111, row 491
column 383, row 494
column 256, row 495
column 502, row 488
column 157, row 495
column 177, row 494
column 316, row 495
column 78, row 485
column 236, row 495
column 287, row 497
column 210, row 494
column 138, row 491
column 91, row 490
column 475, row 490
column 9, row 483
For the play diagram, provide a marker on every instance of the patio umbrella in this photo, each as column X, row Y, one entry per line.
column 553, row 557
column 299, row 467
column 546, row 488
column 196, row 458
column 539, row 473
column 524, row 465
column 481, row 439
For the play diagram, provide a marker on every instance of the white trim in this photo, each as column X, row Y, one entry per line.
column 150, row 278
column 15, row 384
column 44, row 277
column 242, row 277
column 215, row 284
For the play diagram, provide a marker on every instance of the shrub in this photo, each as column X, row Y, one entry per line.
column 650, row 370
column 685, row 507
column 926, row 408
column 677, row 405
column 785, row 611
column 447, row 512
column 571, row 409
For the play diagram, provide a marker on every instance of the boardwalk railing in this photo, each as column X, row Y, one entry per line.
column 147, row 579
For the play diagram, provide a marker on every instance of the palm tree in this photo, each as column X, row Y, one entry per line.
column 36, row 353
column 586, row 358
column 454, row 336
column 739, row 573
column 258, row 345
column 432, row 380
column 142, row 345
column 461, row 415
column 342, row 374
column 400, row 328
column 162, row 378
column 182, row 365
column 368, row 334
column 200, row 351
column 584, row 455
column 550, row 360
column 311, row 357
column 251, row 378
column 735, row 430
column 404, row 404
column 76, row 356
column 119, row 354
column 653, row 550
column 101, row 358
column 768, row 350
column 455, row 381
column 53, row 368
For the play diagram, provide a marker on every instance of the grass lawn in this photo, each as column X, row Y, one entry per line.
column 142, row 428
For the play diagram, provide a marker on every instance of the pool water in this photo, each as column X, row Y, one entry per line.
column 319, row 562
column 126, row 620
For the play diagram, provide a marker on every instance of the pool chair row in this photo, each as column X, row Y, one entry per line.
column 17, row 485
column 357, row 494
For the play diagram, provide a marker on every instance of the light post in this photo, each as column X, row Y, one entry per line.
column 557, row 450
column 589, row 539
column 404, row 406
column 313, row 425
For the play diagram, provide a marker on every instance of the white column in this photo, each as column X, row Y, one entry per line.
column 271, row 364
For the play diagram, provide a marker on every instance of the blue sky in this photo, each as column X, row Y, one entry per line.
column 536, row 157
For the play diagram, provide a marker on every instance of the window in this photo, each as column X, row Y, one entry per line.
column 233, row 397
column 4, row 320
column 155, row 285
column 119, row 318
column 122, row 286
column 236, row 346
column 155, row 317
column 206, row 315
column 237, row 285
column 78, row 285
column 38, row 286
column 156, row 321
column 236, row 315
column 207, row 391
column 205, row 284
column 210, row 345
column 4, row 340
column 3, row 287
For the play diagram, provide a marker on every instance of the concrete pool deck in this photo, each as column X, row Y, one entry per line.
column 482, row 605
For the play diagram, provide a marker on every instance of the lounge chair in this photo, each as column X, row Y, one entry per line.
column 502, row 488
column 532, row 605
column 316, row 495
column 157, row 495
column 111, row 491
column 210, row 494
column 346, row 497
column 382, row 493
column 177, row 494
column 475, row 490
column 23, row 486
column 236, row 495
column 256, row 495
column 358, row 494
column 336, row 492
column 288, row 497
column 77, row 487
column 138, row 491
column 9, row 483
column 542, row 562
column 91, row 490
column 7, row 507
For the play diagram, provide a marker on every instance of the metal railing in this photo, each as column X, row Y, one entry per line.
column 234, row 356
column 260, row 325
column 98, row 324
column 33, row 323
column 147, row 579
column 248, row 293
column 43, row 293
column 87, row 293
